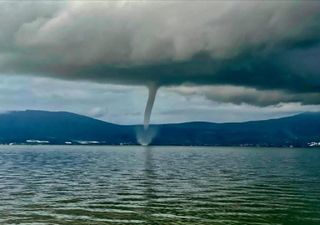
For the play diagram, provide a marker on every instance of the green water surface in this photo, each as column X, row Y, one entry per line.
column 77, row 185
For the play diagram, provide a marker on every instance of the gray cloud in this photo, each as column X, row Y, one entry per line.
column 242, row 95
column 267, row 49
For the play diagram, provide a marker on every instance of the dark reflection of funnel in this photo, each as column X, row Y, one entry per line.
column 149, row 184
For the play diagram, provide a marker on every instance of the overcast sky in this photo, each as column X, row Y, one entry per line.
column 212, row 61
column 125, row 104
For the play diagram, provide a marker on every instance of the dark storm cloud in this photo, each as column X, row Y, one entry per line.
column 269, row 47
column 243, row 95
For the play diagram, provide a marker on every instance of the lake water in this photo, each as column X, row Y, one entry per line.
column 158, row 185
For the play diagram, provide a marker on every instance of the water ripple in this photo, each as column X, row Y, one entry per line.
column 136, row 185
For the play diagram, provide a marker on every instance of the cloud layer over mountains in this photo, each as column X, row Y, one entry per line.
column 260, row 53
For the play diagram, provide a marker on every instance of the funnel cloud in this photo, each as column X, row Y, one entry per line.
column 152, row 89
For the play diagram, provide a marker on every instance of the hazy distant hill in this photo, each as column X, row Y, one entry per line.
column 68, row 128
column 60, row 127
column 296, row 130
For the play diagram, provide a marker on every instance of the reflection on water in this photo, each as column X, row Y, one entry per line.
column 158, row 185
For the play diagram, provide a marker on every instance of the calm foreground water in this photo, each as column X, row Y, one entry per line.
column 158, row 185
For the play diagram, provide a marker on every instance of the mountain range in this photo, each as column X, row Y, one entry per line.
column 43, row 127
